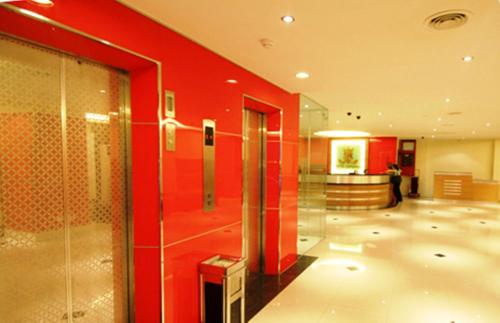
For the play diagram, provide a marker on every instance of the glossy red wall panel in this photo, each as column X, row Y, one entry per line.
column 181, row 269
column 381, row 150
column 147, row 284
column 145, row 190
column 289, row 186
column 184, row 216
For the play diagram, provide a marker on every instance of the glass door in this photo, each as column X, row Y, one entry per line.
column 63, row 187
column 313, row 161
column 32, row 236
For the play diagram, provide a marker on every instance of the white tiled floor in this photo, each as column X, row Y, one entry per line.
column 394, row 276
column 311, row 225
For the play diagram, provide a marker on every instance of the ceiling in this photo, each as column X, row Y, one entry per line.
column 377, row 59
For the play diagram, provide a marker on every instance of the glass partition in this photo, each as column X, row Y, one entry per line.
column 313, row 169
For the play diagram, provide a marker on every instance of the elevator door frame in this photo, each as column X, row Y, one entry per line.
column 126, row 142
column 262, row 176
column 76, row 43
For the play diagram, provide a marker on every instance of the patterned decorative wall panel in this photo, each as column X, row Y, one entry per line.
column 32, row 272
column 97, row 181
column 61, row 233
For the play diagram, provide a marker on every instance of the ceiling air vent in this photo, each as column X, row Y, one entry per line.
column 448, row 19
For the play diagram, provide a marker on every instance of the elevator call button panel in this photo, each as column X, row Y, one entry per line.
column 208, row 165
column 169, row 104
column 170, row 130
column 209, row 136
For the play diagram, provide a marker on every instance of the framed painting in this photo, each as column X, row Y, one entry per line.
column 348, row 156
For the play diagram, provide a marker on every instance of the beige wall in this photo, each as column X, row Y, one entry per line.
column 496, row 161
column 475, row 156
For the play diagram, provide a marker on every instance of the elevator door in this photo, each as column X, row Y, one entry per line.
column 253, row 188
column 63, row 188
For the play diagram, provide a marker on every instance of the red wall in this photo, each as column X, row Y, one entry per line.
column 381, row 150
column 197, row 76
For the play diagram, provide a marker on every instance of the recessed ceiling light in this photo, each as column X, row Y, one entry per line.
column 390, row 125
column 337, row 122
column 231, row 81
column 44, row 3
column 488, row 124
column 306, row 106
column 433, row 136
column 227, row 110
column 434, row 130
column 439, row 119
column 287, row 19
column 379, row 114
column 302, row 75
column 468, row 58
column 447, row 100
column 342, row 133
column 102, row 91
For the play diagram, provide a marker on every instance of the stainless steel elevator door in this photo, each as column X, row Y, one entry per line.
column 63, row 188
column 253, row 188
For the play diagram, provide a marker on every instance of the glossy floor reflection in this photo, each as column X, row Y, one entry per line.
column 311, row 226
column 261, row 289
column 422, row 262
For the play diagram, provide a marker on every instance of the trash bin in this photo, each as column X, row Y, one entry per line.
column 222, row 281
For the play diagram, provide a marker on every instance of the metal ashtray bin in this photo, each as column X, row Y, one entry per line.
column 222, row 294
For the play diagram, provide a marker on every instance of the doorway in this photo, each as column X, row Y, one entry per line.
column 254, row 156
column 63, row 187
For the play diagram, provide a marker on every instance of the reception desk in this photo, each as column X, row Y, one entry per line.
column 358, row 192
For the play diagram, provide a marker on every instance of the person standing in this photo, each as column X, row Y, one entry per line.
column 395, row 172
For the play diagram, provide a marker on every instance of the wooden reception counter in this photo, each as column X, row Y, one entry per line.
column 462, row 186
column 358, row 192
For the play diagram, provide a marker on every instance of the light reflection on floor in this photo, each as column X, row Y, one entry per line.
column 311, row 226
column 428, row 262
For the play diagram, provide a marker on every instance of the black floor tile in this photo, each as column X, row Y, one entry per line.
column 261, row 289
